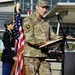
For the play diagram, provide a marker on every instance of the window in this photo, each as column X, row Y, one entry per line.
column 1, row 43
column 68, row 29
column 3, row 17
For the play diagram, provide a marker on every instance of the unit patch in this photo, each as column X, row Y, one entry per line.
column 28, row 27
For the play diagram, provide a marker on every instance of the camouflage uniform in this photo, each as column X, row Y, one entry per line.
column 37, row 32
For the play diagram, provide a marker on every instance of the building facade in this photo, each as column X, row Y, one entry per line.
column 30, row 4
column 7, row 9
column 6, row 12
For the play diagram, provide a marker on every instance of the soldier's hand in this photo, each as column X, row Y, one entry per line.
column 15, row 58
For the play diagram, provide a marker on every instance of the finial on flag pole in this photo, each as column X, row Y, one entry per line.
column 18, row 7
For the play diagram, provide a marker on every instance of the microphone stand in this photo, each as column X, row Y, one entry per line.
column 63, row 43
column 58, row 28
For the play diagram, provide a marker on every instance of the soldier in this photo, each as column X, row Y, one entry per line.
column 37, row 31
column 8, row 55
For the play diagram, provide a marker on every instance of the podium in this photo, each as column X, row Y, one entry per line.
column 55, row 53
column 70, row 58
column 66, row 13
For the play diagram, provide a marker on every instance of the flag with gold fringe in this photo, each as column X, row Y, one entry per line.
column 19, row 41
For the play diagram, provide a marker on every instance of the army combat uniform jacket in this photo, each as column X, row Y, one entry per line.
column 37, row 32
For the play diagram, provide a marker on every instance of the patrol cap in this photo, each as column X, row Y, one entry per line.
column 42, row 3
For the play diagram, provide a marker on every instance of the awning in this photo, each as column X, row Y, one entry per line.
column 66, row 10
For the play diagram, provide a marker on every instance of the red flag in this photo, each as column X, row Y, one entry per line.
column 28, row 10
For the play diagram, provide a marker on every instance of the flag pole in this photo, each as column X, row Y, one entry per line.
column 16, row 5
column 14, row 65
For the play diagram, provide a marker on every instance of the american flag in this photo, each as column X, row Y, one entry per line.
column 19, row 42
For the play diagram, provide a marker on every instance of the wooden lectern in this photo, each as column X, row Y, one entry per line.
column 55, row 52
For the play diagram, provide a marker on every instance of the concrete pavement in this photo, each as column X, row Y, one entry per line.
column 53, row 66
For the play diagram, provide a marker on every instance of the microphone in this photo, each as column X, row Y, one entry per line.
column 58, row 16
